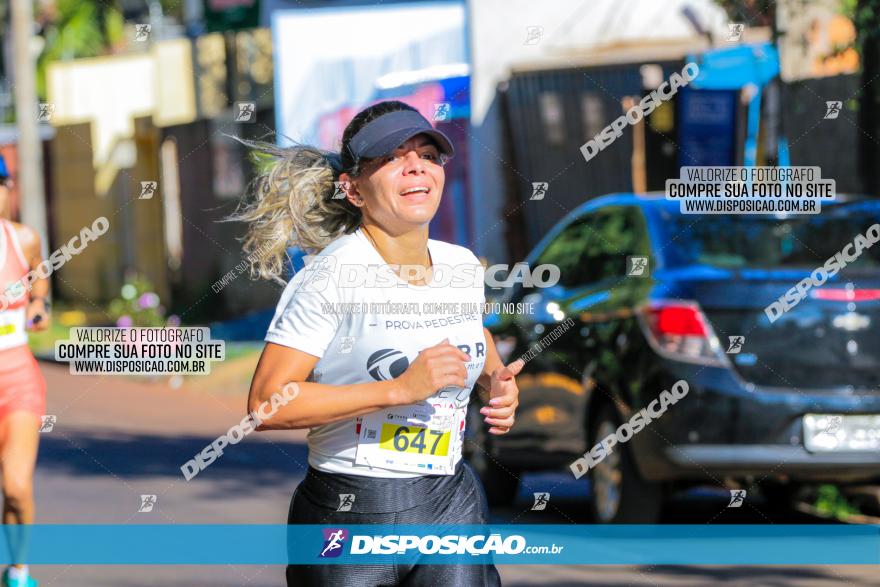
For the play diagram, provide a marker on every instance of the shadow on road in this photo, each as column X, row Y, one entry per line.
column 263, row 461
column 685, row 510
column 132, row 456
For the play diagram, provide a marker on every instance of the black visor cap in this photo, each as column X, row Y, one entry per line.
column 382, row 135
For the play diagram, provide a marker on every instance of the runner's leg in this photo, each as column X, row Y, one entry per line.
column 466, row 504
column 19, row 439
column 20, row 433
column 304, row 511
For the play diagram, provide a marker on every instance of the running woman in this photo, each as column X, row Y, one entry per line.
column 22, row 388
column 382, row 332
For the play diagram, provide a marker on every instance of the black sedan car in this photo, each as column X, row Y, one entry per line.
column 781, row 361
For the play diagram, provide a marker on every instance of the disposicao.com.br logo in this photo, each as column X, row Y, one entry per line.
column 334, row 541
column 452, row 544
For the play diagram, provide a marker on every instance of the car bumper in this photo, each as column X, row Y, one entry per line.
column 793, row 461
column 725, row 426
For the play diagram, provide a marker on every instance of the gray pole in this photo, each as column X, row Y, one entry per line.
column 30, row 148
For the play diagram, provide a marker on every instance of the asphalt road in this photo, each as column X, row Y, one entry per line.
column 116, row 439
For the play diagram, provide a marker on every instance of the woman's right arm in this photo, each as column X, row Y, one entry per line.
column 319, row 403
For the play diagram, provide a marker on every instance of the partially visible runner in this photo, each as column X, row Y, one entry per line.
column 384, row 389
column 22, row 387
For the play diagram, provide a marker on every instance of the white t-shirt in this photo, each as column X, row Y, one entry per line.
column 367, row 324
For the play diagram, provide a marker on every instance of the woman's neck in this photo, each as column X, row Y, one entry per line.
column 408, row 248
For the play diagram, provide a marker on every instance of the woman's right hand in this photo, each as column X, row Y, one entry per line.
column 436, row 367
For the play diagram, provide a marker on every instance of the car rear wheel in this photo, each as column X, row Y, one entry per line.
column 500, row 482
column 620, row 495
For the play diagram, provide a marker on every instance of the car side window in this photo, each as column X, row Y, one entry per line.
column 594, row 247
column 641, row 243
column 621, row 232
column 567, row 250
column 604, row 259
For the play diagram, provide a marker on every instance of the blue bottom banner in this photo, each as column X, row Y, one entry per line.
column 520, row 544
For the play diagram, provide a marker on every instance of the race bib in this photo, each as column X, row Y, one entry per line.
column 12, row 328
column 419, row 438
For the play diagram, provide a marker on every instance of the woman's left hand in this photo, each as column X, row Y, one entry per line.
column 504, row 398
column 37, row 315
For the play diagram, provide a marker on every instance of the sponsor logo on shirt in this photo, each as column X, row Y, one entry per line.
column 386, row 364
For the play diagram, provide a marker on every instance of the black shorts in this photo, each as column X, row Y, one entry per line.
column 429, row 499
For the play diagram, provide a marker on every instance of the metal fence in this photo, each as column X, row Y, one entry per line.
column 549, row 115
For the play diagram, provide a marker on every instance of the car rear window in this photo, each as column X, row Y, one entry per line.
column 740, row 240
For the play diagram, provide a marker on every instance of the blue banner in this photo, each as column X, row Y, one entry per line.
column 450, row 544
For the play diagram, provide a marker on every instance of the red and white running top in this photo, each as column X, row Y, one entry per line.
column 13, row 294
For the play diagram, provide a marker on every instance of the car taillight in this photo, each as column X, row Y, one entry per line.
column 680, row 331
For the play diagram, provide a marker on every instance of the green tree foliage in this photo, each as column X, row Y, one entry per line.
column 865, row 15
column 81, row 28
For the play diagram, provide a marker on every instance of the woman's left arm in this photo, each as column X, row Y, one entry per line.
column 37, row 310
column 501, row 383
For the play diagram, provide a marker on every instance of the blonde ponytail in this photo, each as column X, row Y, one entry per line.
column 290, row 203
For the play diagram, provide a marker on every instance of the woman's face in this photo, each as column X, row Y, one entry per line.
column 401, row 191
